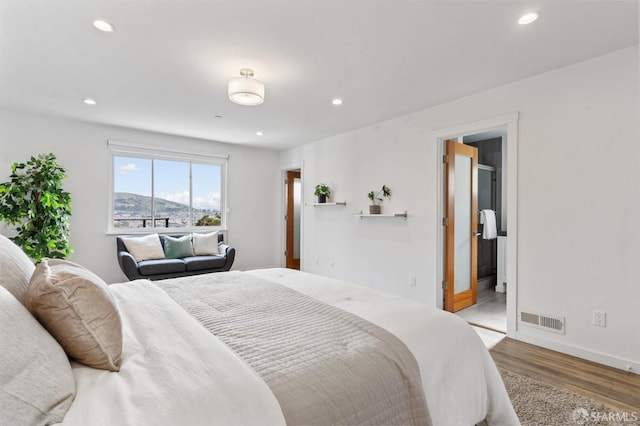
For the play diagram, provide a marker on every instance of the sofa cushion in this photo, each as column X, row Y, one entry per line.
column 161, row 266
column 177, row 248
column 198, row 263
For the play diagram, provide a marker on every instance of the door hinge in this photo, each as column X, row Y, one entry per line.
column 444, row 285
column 445, row 221
column 285, row 217
column 285, row 252
column 445, row 159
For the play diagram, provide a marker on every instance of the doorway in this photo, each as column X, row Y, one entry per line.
column 293, row 208
column 490, row 311
column 505, row 198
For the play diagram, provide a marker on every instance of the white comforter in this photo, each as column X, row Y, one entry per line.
column 174, row 372
column 461, row 382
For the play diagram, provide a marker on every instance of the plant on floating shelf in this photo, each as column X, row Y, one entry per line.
column 323, row 192
column 34, row 200
column 376, row 197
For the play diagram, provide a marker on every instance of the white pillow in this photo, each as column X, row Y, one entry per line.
column 15, row 269
column 205, row 244
column 36, row 382
column 144, row 248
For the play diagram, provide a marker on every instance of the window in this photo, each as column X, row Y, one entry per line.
column 155, row 188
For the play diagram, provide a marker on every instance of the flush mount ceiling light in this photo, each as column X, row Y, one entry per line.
column 246, row 90
column 89, row 101
column 528, row 18
column 337, row 101
column 259, row 134
column 103, row 26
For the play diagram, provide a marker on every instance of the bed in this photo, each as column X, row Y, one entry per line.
column 173, row 370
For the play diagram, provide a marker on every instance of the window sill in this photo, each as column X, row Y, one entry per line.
column 143, row 231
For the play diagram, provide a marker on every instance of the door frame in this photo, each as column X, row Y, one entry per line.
column 283, row 212
column 439, row 136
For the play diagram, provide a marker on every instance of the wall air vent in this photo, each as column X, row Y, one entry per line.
column 545, row 322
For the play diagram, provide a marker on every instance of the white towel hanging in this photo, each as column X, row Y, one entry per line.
column 488, row 219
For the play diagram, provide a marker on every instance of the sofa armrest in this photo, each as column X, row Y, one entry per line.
column 229, row 253
column 128, row 265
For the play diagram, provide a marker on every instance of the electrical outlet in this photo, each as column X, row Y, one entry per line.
column 600, row 318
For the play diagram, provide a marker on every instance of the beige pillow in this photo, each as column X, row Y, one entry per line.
column 205, row 244
column 36, row 382
column 144, row 248
column 77, row 308
column 15, row 269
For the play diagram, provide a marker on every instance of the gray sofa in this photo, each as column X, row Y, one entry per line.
column 172, row 268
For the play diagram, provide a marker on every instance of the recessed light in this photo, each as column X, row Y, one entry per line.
column 103, row 26
column 528, row 18
column 337, row 101
column 89, row 101
column 259, row 133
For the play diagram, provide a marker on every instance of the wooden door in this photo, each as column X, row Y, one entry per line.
column 294, row 200
column 461, row 221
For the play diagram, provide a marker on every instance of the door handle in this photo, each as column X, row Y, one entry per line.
column 477, row 234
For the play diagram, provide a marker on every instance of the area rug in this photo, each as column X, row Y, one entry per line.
column 538, row 403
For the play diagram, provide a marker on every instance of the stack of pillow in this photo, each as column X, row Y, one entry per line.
column 46, row 311
column 154, row 246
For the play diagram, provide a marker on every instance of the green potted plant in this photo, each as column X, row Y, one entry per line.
column 322, row 192
column 34, row 200
column 376, row 197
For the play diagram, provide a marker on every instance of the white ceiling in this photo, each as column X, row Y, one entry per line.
column 166, row 66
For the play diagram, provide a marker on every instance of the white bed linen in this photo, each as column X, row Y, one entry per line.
column 174, row 372
column 461, row 382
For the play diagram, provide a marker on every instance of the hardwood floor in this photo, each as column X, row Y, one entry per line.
column 618, row 390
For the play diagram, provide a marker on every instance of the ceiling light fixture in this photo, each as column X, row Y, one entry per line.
column 103, row 26
column 89, row 101
column 337, row 101
column 528, row 18
column 246, row 90
column 259, row 133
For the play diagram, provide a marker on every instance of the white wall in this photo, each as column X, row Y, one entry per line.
column 81, row 149
column 578, row 202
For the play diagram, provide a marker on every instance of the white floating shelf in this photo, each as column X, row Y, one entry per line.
column 337, row 203
column 361, row 215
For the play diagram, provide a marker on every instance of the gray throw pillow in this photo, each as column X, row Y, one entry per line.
column 177, row 248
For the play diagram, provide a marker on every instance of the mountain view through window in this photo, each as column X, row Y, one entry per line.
column 162, row 193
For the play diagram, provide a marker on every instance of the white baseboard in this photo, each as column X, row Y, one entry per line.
column 580, row 352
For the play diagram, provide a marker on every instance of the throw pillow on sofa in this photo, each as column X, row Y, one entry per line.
column 205, row 244
column 177, row 248
column 144, row 248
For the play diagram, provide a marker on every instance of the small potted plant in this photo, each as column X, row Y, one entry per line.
column 375, row 197
column 322, row 192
